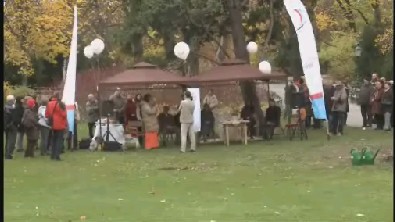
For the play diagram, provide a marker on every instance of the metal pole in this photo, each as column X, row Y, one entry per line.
column 100, row 107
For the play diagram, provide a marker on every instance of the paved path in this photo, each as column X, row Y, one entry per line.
column 354, row 116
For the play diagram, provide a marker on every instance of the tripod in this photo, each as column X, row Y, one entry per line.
column 108, row 133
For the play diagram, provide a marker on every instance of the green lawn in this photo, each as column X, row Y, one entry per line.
column 265, row 181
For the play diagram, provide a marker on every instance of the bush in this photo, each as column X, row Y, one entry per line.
column 17, row 90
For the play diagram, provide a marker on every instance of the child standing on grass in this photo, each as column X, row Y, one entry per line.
column 30, row 124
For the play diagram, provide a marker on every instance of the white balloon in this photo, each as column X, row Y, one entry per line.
column 265, row 67
column 181, row 50
column 88, row 52
column 97, row 46
column 252, row 47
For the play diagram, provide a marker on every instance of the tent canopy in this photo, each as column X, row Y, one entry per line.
column 236, row 70
column 143, row 73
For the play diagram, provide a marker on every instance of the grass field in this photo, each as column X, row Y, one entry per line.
column 278, row 180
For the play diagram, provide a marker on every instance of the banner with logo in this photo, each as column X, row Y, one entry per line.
column 69, row 87
column 308, row 54
column 195, row 92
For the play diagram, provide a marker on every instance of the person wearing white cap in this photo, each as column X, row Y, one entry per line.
column 10, row 126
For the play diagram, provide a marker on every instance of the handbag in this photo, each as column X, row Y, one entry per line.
column 50, row 119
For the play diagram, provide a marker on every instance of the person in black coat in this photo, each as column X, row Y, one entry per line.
column 19, row 110
column 248, row 113
column 11, row 123
column 273, row 116
column 207, row 123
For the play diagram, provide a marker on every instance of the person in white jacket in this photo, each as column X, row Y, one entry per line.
column 44, row 129
column 186, row 109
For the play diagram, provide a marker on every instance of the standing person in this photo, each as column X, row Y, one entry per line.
column 10, row 126
column 386, row 102
column 364, row 101
column 44, row 129
column 186, row 109
column 119, row 106
column 92, row 109
column 247, row 113
column 376, row 105
column 137, row 100
column 338, row 108
column 347, row 88
column 150, row 122
column 19, row 110
column 374, row 79
column 306, row 101
column 130, row 110
column 328, row 94
column 211, row 100
column 70, row 134
column 56, row 112
column 30, row 124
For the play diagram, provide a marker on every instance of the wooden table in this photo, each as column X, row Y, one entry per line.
column 242, row 124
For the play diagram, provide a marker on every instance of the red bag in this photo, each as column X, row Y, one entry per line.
column 151, row 140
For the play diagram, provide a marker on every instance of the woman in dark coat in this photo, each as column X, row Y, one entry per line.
column 376, row 105
column 30, row 124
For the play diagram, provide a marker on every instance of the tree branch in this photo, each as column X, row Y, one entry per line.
column 269, row 34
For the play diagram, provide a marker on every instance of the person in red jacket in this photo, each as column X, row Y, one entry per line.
column 56, row 110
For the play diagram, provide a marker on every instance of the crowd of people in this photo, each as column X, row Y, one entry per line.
column 155, row 124
column 24, row 117
column 48, row 120
column 375, row 98
column 376, row 101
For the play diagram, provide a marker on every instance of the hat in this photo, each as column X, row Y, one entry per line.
column 31, row 103
column 10, row 97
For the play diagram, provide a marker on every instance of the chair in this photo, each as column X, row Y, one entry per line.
column 135, row 129
column 167, row 128
column 297, row 124
column 272, row 123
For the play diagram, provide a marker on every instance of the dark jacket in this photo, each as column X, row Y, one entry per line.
column 131, row 111
column 166, row 122
column 387, row 101
column 273, row 115
column 364, row 94
column 297, row 97
column 375, row 101
column 207, row 117
column 11, row 120
column 19, row 110
column 92, row 109
column 30, row 123
column 328, row 93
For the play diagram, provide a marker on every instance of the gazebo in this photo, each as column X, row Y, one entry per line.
column 237, row 70
column 143, row 74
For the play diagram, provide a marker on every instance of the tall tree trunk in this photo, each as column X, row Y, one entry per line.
column 168, row 41
column 248, row 88
column 138, row 47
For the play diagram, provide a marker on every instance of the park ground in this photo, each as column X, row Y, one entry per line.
column 280, row 180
